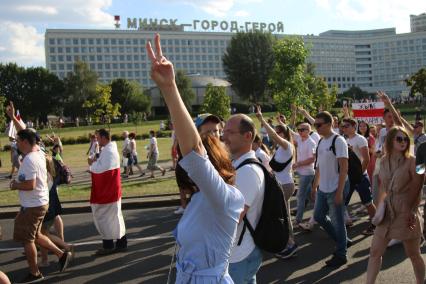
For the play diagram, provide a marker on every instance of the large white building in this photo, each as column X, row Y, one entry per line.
column 371, row 59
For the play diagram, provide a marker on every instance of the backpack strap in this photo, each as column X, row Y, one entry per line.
column 279, row 166
column 316, row 154
column 333, row 144
column 247, row 224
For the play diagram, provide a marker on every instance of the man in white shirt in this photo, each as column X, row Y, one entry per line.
column 125, row 151
column 304, row 166
column 330, row 175
column 359, row 145
column 246, row 258
column 34, row 199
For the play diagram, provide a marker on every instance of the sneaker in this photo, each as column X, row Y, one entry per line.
column 307, row 226
column 64, row 260
column 369, row 231
column 393, row 242
column 31, row 278
column 120, row 249
column 336, row 261
column 288, row 252
column 142, row 174
column 104, row 251
column 179, row 211
column 163, row 172
column 71, row 250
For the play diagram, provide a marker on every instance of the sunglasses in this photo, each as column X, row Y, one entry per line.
column 302, row 129
column 401, row 139
column 318, row 125
column 346, row 125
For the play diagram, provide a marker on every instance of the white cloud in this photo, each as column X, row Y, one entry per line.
column 217, row 8
column 395, row 13
column 22, row 43
column 242, row 13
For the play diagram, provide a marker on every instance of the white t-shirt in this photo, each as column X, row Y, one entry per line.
column 305, row 150
column 251, row 182
column 34, row 167
column 327, row 162
column 315, row 136
column 357, row 142
column 263, row 132
column 264, row 158
column 153, row 145
column 282, row 156
column 133, row 143
column 126, row 143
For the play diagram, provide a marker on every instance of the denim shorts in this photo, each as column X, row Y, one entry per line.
column 363, row 189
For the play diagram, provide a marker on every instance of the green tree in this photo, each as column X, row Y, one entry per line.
column 288, row 80
column 216, row 101
column 417, row 83
column 100, row 107
column 3, row 120
column 130, row 95
column 184, row 85
column 80, row 86
column 248, row 62
column 356, row 93
column 35, row 91
column 136, row 118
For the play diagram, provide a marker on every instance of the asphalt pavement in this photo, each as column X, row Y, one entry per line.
column 151, row 247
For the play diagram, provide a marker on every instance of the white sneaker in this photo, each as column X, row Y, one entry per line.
column 179, row 211
column 393, row 242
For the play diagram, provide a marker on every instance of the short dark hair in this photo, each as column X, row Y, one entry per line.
column 386, row 111
column 351, row 121
column 326, row 116
column 247, row 125
column 152, row 132
column 103, row 133
column 29, row 135
column 132, row 135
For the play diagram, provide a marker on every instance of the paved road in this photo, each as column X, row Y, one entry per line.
column 151, row 247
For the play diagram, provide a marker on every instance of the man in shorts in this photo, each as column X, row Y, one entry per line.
column 34, row 199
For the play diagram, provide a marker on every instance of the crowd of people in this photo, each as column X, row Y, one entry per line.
column 223, row 196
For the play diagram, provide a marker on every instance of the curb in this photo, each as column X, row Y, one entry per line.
column 85, row 207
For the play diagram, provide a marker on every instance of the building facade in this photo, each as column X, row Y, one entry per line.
column 372, row 59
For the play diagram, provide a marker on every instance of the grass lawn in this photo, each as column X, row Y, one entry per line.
column 130, row 189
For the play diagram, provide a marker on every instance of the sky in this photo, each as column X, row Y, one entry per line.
column 23, row 22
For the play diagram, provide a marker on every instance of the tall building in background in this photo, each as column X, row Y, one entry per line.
column 418, row 23
column 371, row 59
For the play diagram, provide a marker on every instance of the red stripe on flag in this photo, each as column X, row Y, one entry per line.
column 106, row 187
column 368, row 112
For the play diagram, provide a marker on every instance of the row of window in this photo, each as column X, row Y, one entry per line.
column 134, row 41
column 136, row 66
column 88, row 49
column 131, row 58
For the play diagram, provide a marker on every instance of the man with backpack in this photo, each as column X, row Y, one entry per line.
column 358, row 164
column 246, row 257
column 330, row 176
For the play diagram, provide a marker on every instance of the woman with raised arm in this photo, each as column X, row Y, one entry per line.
column 281, row 164
column 206, row 231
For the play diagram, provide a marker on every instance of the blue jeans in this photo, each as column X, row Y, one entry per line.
column 331, row 217
column 305, row 186
column 244, row 272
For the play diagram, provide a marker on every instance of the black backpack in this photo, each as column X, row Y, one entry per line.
column 272, row 231
column 354, row 163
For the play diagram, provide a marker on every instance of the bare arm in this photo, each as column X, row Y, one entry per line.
column 365, row 158
column 26, row 185
column 390, row 106
column 343, row 166
column 407, row 125
column 10, row 111
column 306, row 114
column 163, row 74
column 271, row 132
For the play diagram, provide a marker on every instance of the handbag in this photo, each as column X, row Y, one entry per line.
column 381, row 209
